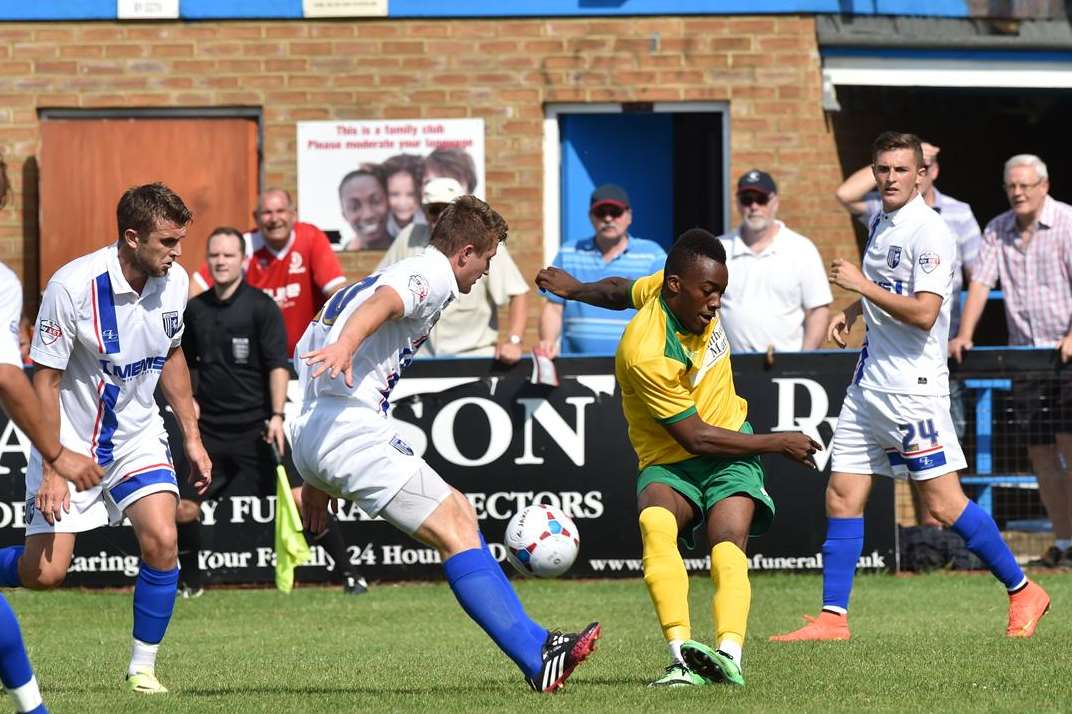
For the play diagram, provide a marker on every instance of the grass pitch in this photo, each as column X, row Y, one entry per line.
column 930, row 643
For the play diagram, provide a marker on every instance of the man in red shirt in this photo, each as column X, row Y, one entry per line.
column 292, row 262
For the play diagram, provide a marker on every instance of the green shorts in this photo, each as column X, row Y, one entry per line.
column 706, row 480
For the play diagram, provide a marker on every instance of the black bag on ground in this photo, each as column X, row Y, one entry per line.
column 927, row 548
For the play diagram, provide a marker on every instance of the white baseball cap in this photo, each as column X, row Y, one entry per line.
column 441, row 190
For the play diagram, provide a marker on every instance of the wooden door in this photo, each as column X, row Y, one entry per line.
column 87, row 164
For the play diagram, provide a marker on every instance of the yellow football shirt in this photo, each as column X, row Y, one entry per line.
column 667, row 374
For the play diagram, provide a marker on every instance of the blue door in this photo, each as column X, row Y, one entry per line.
column 634, row 151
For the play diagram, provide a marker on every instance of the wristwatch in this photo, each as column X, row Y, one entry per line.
column 515, row 339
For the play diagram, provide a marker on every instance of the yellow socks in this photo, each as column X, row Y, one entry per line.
column 733, row 596
column 664, row 573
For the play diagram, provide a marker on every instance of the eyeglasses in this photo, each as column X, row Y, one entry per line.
column 747, row 199
column 605, row 211
column 1025, row 187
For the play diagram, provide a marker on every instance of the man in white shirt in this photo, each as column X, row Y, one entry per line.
column 108, row 331
column 344, row 445
column 895, row 418
column 778, row 296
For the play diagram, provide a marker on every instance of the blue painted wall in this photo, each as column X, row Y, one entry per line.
column 634, row 151
column 222, row 9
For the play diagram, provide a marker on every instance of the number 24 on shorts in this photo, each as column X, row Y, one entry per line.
column 924, row 428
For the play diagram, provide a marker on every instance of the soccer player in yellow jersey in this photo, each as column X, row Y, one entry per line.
column 699, row 460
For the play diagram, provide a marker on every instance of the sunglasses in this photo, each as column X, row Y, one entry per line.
column 604, row 211
column 747, row 199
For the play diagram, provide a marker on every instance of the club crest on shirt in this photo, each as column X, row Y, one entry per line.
column 893, row 257
column 929, row 261
column 49, row 330
column 296, row 264
column 418, row 285
column 172, row 323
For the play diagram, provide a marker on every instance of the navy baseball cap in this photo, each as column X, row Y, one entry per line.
column 609, row 194
column 756, row 180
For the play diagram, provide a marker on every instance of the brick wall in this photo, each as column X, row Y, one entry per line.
column 501, row 70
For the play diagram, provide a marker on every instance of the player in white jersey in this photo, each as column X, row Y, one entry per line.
column 344, row 445
column 895, row 418
column 108, row 331
column 23, row 408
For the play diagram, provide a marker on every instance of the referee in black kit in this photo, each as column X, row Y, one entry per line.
column 236, row 345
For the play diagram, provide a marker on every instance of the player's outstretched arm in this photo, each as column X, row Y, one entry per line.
column 610, row 293
column 918, row 310
column 21, row 404
column 175, row 382
column 385, row 304
column 700, row 438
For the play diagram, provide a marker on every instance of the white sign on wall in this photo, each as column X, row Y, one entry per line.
column 344, row 8
column 360, row 181
column 147, row 9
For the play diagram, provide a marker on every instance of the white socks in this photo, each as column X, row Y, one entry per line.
column 27, row 697
column 142, row 655
column 731, row 648
column 675, row 650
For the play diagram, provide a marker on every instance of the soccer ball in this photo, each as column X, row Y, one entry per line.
column 542, row 541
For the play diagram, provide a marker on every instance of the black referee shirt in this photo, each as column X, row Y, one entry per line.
column 233, row 344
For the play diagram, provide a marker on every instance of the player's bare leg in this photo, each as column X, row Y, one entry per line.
column 1054, row 490
column 728, row 523
column 44, row 562
column 664, row 513
column 846, row 497
column 946, row 501
column 156, row 587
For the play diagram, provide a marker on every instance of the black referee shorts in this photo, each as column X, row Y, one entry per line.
column 240, row 458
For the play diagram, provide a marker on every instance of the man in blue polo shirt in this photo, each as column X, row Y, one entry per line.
column 582, row 328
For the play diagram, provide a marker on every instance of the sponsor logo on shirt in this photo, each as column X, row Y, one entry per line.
column 240, row 349
column 284, row 293
column 418, row 285
column 172, row 323
column 929, row 261
column 401, row 446
column 130, row 370
column 718, row 347
column 50, row 331
column 893, row 257
column 296, row 264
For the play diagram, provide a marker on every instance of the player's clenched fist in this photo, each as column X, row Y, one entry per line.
column 556, row 281
column 847, row 275
column 798, row 447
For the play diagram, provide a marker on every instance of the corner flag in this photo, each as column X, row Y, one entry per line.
column 291, row 550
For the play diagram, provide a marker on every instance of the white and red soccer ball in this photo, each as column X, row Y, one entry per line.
column 541, row 540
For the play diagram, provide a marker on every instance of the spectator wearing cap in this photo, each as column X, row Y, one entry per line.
column 468, row 327
column 778, row 296
column 584, row 329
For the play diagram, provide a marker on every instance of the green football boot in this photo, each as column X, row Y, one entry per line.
column 678, row 675
column 714, row 666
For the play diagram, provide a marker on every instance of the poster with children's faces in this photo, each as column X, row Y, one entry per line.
column 360, row 181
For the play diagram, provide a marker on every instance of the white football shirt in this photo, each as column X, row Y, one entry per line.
column 910, row 250
column 10, row 316
column 426, row 284
column 111, row 344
